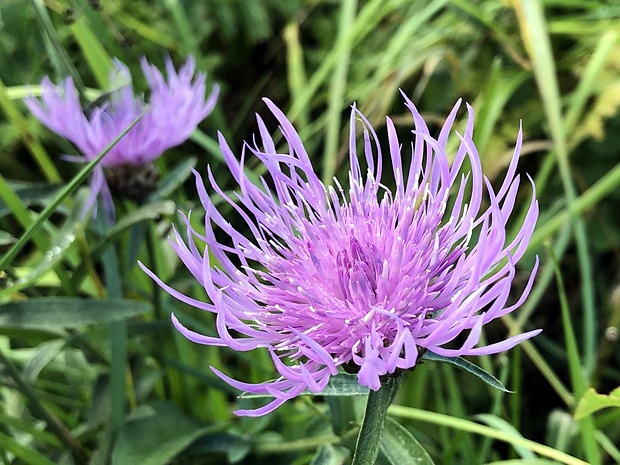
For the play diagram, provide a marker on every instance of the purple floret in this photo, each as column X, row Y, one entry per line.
column 175, row 108
column 363, row 276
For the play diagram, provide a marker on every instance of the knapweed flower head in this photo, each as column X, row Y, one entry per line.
column 175, row 107
column 363, row 276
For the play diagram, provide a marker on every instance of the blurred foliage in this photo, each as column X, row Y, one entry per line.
column 314, row 58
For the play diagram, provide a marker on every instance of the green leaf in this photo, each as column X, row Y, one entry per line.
column 467, row 366
column 327, row 454
column 155, row 436
column 400, row 447
column 66, row 312
column 592, row 402
column 343, row 384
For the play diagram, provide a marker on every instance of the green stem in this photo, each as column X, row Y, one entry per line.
column 369, row 438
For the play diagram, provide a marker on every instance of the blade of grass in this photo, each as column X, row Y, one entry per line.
column 28, row 455
column 608, row 446
column 448, row 452
column 535, row 35
column 514, row 402
column 175, row 387
column 574, row 365
column 456, row 406
column 179, row 16
column 147, row 213
column 471, row 427
column 578, row 378
column 20, row 212
column 422, row 13
column 585, row 88
column 42, row 242
column 95, row 54
column 368, row 17
column 60, row 58
column 295, row 70
column 505, row 40
column 605, row 186
column 337, row 88
column 496, row 408
column 576, row 104
column 29, row 428
column 54, row 252
column 16, row 118
column 539, row 361
column 60, row 197
column 499, row 87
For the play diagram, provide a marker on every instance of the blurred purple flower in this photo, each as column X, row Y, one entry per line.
column 368, row 278
column 175, row 108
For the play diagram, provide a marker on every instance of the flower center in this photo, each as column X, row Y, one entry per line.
column 358, row 268
column 134, row 182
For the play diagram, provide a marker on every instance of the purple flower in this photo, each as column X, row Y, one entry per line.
column 365, row 276
column 175, row 108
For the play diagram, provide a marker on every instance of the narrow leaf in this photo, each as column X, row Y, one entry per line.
column 467, row 366
column 65, row 312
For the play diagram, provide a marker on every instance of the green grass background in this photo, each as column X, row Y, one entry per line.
column 91, row 370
